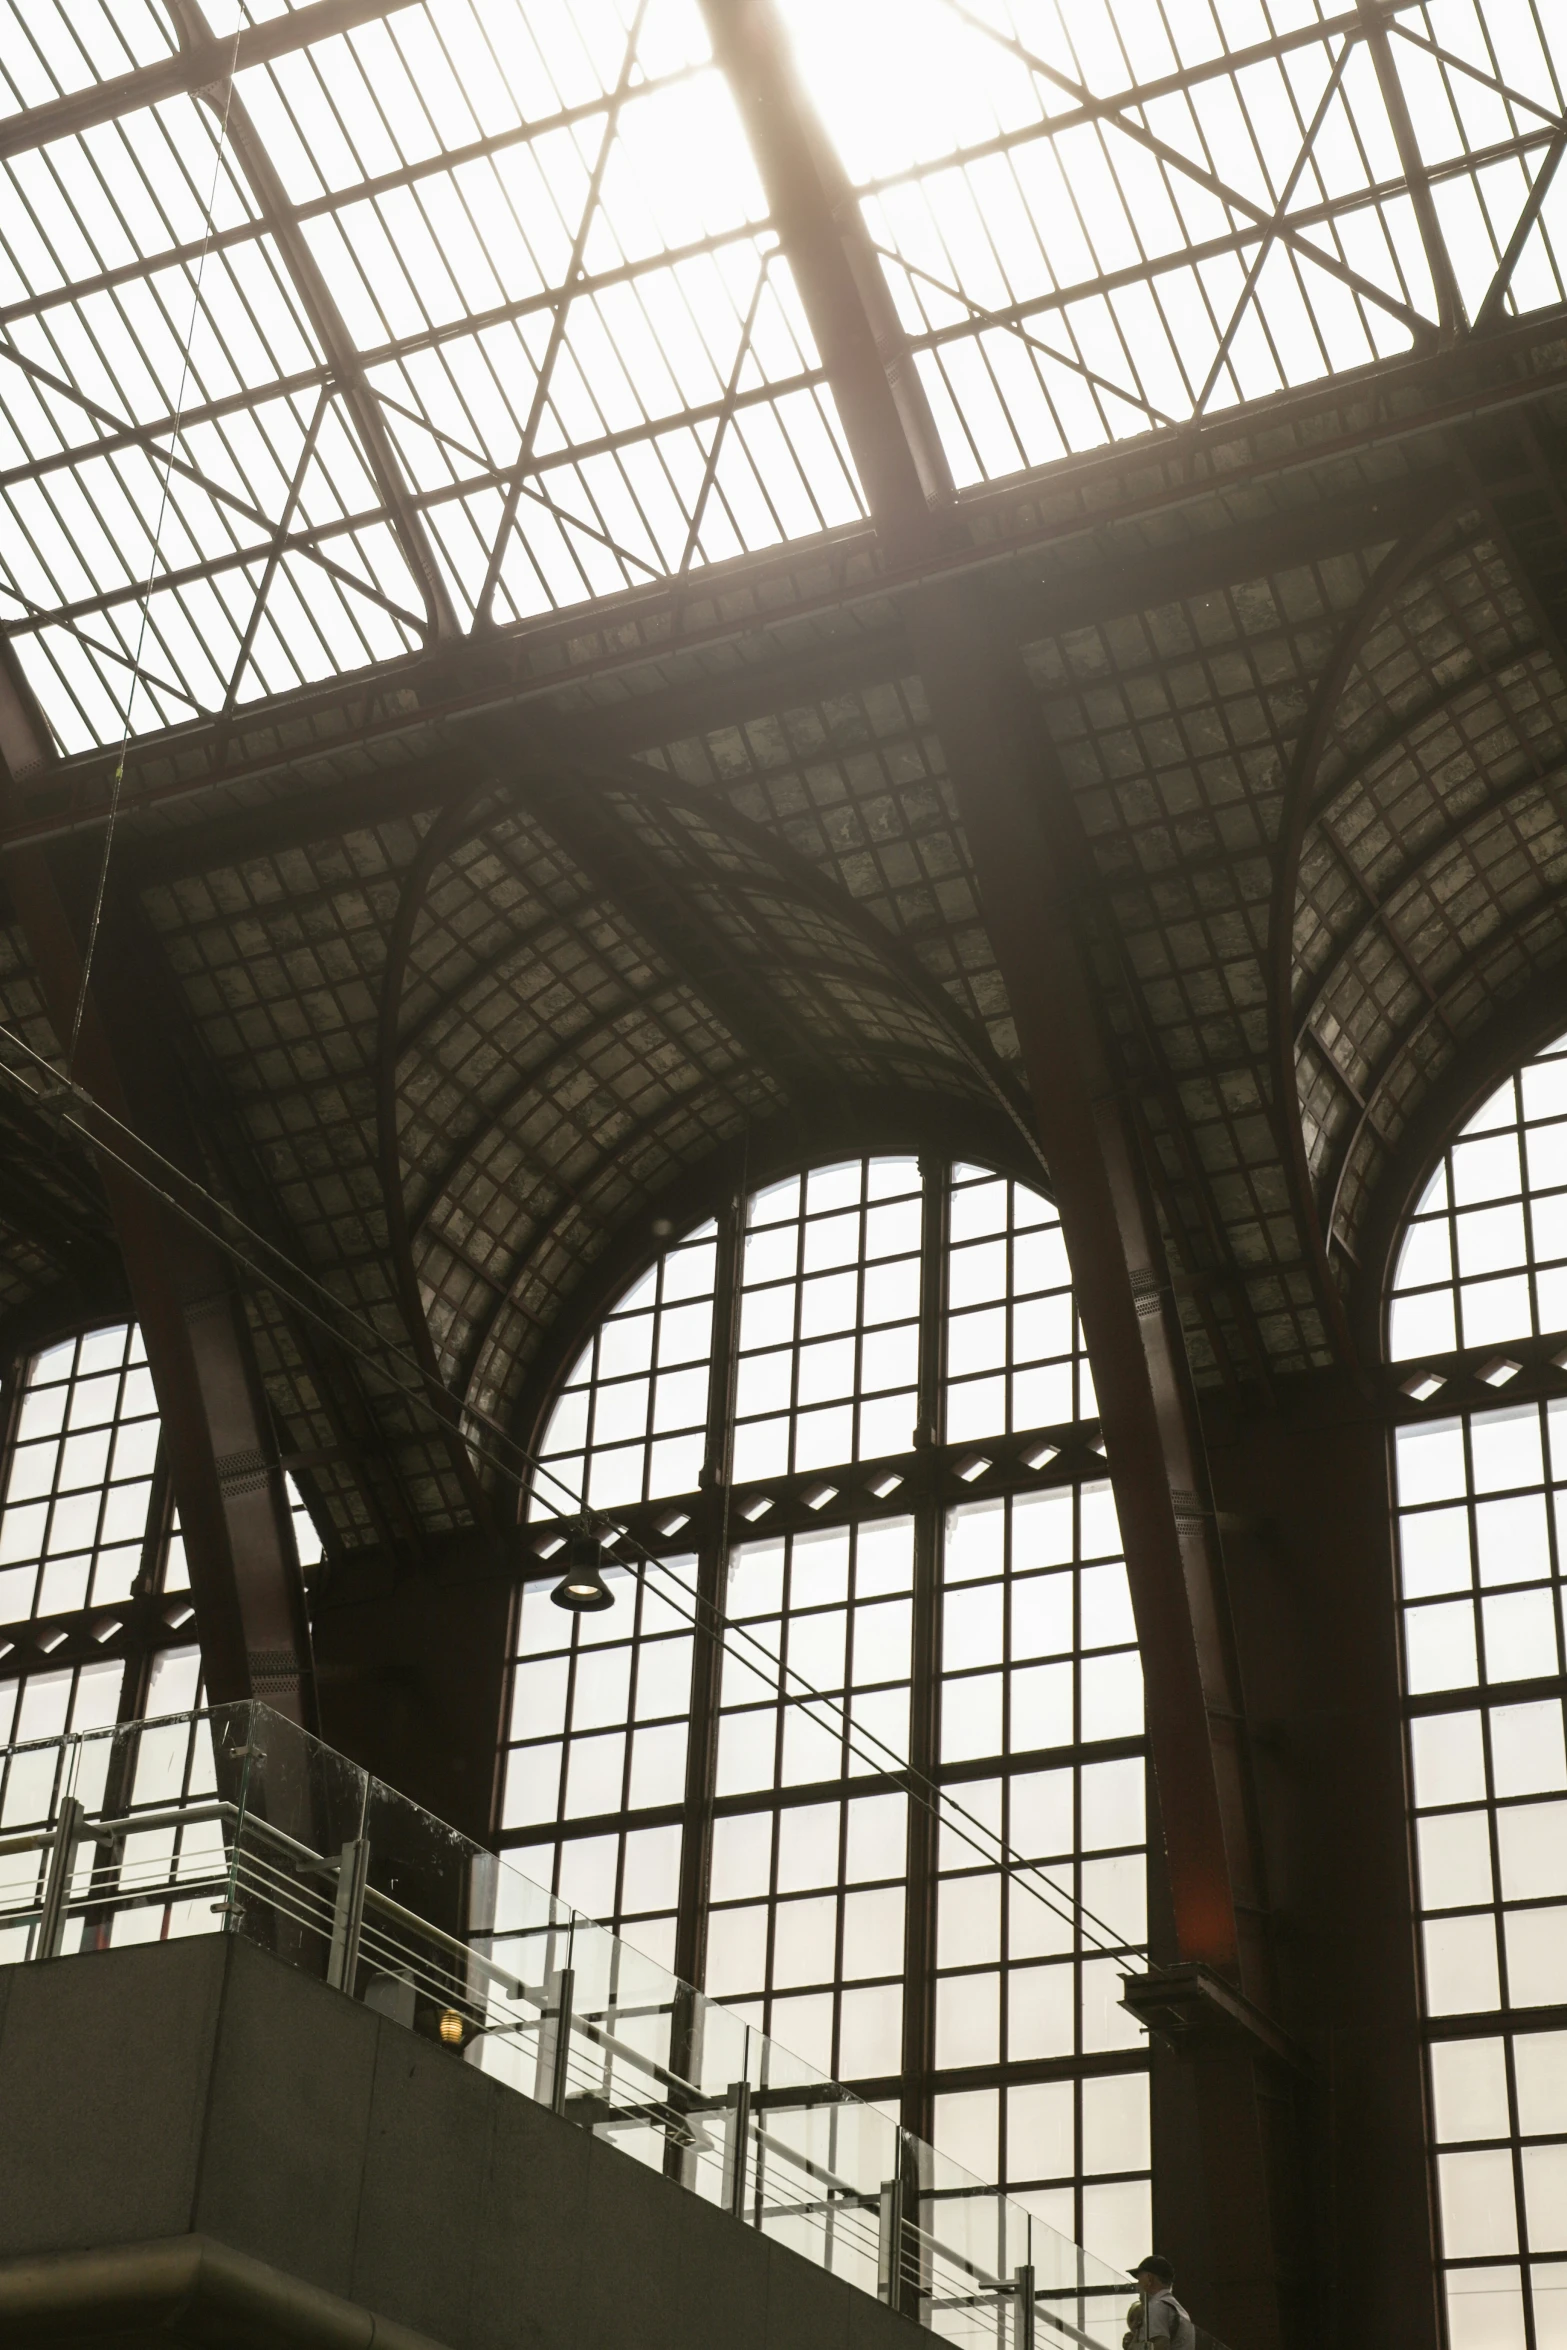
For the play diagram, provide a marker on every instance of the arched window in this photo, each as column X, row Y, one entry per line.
column 854, row 1411
column 1482, row 1535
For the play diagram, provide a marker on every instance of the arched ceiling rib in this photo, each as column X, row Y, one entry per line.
column 590, row 1061
column 1433, row 860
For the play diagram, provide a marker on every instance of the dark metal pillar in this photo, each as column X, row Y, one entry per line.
column 1023, row 839
column 1307, row 1489
column 1027, row 863
column 707, row 1656
column 897, row 450
column 244, row 1572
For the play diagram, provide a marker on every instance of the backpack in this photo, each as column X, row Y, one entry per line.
column 1183, row 2334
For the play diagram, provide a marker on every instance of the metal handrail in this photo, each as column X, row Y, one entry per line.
column 327, row 1915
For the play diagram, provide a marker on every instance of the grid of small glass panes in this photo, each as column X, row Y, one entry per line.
column 1015, row 1353
column 805, row 1924
column 1040, row 1666
column 631, row 1421
column 148, row 1769
column 829, row 1319
column 1481, row 1499
column 1038, row 1677
column 1484, row 1256
column 829, row 1338
column 600, row 1708
column 79, row 1477
column 74, row 1530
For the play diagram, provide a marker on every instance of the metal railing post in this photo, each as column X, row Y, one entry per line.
column 889, row 2244
column 736, row 2148
column 348, row 1914
column 1023, row 2308
column 551, row 2076
column 69, row 1828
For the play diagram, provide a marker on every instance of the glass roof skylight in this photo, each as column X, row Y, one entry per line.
column 1098, row 217
column 472, row 311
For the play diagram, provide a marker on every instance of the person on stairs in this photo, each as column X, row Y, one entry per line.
column 1156, row 2320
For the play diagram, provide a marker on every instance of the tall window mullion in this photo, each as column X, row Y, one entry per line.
column 919, row 2020
column 707, row 1656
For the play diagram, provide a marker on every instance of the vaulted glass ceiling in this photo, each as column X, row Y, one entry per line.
column 433, row 316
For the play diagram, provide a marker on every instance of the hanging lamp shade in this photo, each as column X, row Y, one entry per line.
column 582, row 1589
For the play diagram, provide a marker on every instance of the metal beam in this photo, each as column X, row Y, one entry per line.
column 441, row 622
column 650, row 896
column 1019, row 608
column 435, row 847
column 1493, row 306
column 1028, row 856
column 989, row 724
column 1105, row 491
column 360, row 1444
column 204, row 64
column 233, row 1509
column 1449, row 301
column 891, row 433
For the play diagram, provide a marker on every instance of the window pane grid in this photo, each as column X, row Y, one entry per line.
column 1037, row 1630
column 1484, row 1256
column 829, row 1319
column 830, row 1613
column 630, row 1423
column 1036, row 1683
column 1037, row 1634
column 79, row 1477
column 805, row 1931
column 599, row 1704
column 86, row 1510
column 1015, row 1353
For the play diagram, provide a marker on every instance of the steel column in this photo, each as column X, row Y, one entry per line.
column 234, row 1512
column 897, row 450
column 990, row 729
column 1027, row 857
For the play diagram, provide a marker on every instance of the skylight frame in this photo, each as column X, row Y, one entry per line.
column 294, row 551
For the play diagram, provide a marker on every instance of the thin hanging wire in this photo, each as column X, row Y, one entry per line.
column 118, row 785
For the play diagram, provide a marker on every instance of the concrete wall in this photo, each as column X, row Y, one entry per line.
column 202, row 2087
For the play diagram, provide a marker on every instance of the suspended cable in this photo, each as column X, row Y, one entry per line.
column 117, row 786
column 425, row 1388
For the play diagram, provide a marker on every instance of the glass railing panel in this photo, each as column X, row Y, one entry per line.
column 33, row 1783
column 518, row 1936
column 710, row 2069
column 819, row 2159
column 606, row 2036
column 236, row 1820
column 966, row 2242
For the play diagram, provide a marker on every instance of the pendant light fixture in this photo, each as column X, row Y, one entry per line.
column 582, row 1589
